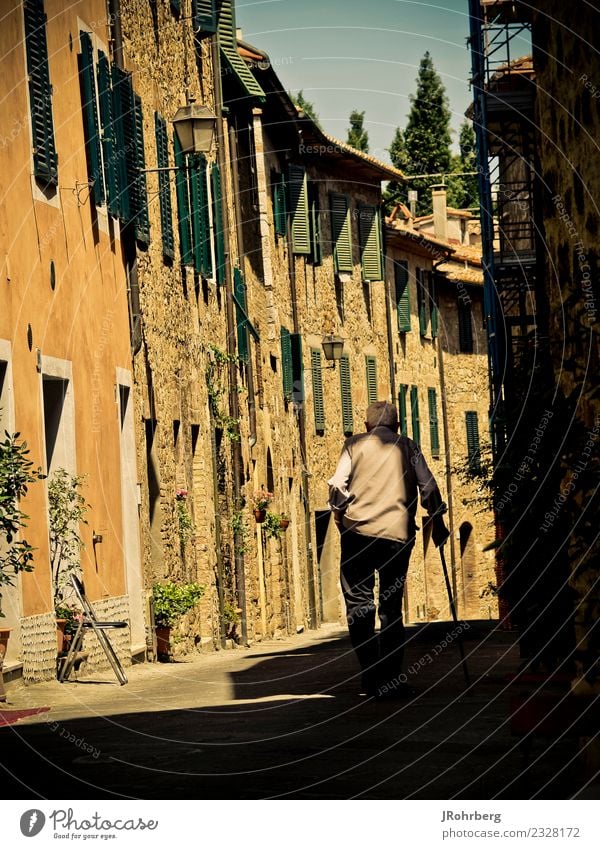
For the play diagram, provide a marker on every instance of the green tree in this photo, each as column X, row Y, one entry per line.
column 358, row 137
column 306, row 106
column 424, row 146
column 468, row 162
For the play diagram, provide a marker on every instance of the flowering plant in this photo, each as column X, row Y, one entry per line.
column 181, row 494
column 72, row 614
column 262, row 499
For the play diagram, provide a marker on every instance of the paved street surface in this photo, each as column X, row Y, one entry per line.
column 283, row 720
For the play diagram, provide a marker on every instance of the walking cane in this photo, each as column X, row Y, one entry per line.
column 461, row 648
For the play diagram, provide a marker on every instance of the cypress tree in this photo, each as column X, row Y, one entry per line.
column 358, row 137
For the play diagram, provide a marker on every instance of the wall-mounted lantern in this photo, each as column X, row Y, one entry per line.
column 196, row 127
column 333, row 348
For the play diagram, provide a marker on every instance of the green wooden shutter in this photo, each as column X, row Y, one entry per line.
column 422, row 303
column 183, row 204
column 414, row 411
column 200, row 216
column 204, row 16
column 231, row 59
column 316, row 251
column 90, row 118
column 45, row 159
column 109, row 142
column 473, row 449
column 434, row 433
column 402, row 395
column 402, row 296
column 122, row 102
column 341, row 232
column 164, row 187
column 297, row 368
column 371, row 369
column 317, row 386
column 298, row 198
column 218, row 223
column 240, row 314
column 138, row 177
column 176, row 6
column 465, row 327
column 346, row 392
column 279, row 204
column 286, row 364
column 433, row 304
column 369, row 229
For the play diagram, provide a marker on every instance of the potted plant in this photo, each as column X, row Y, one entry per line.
column 260, row 502
column 284, row 521
column 67, row 622
column 272, row 525
column 16, row 554
column 67, row 508
column 170, row 602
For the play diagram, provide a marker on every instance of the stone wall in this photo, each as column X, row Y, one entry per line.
column 568, row 120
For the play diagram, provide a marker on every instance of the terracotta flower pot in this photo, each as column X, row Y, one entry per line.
column 284, row 524
column 4, row 637
column 260, row 516
column 163, row 640
column 61, row 624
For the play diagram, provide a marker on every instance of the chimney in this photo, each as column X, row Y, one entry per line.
column 440, row 215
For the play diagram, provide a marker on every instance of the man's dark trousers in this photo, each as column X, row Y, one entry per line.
column 380, row 656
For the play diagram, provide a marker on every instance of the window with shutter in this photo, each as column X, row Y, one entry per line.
column 434, row 434
column 473, row 449
column 176, row 7
column 341, row 233
column 109, row 142
column 433, row 304
column 422, row 303
column 164, row 186
column 317, row 387
column 371, row 369
column 217, row 210
column 402, row 296
column 346, row 391
column 316, row 251
column 138, row 177
column 122, row 102
column 183, row 204
column 414, row 412
column 297, row 368
column 233, row 62
column 369, row 230
column 204, row 15
column 286, row 364
column 402, row 408
column 465, row 327
column 279, row 203
column 200, row 215
column 298, row 200
column 91, row 125
column 45, row 159
column 241, row 312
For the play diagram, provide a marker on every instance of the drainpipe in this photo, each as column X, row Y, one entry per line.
column 233, row 152
column 310, row 573
column 234, row 405
column 388, row 283
column 448, row 463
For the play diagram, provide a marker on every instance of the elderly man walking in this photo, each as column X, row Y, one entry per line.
column 373, row 496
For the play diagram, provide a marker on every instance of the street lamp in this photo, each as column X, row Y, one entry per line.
column 333, row 347
column 195, row 126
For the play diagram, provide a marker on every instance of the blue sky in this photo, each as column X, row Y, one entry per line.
column 362, row 54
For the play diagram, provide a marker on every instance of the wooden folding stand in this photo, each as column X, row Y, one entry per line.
column 90, row 622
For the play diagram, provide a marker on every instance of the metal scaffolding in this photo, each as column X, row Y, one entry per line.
column 503, row 116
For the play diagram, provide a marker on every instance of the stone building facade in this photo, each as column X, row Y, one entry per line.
column 211, row 282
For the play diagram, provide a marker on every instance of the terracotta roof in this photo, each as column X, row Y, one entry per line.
column 459, row 271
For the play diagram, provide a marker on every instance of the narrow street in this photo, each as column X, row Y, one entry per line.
column 283, row 720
